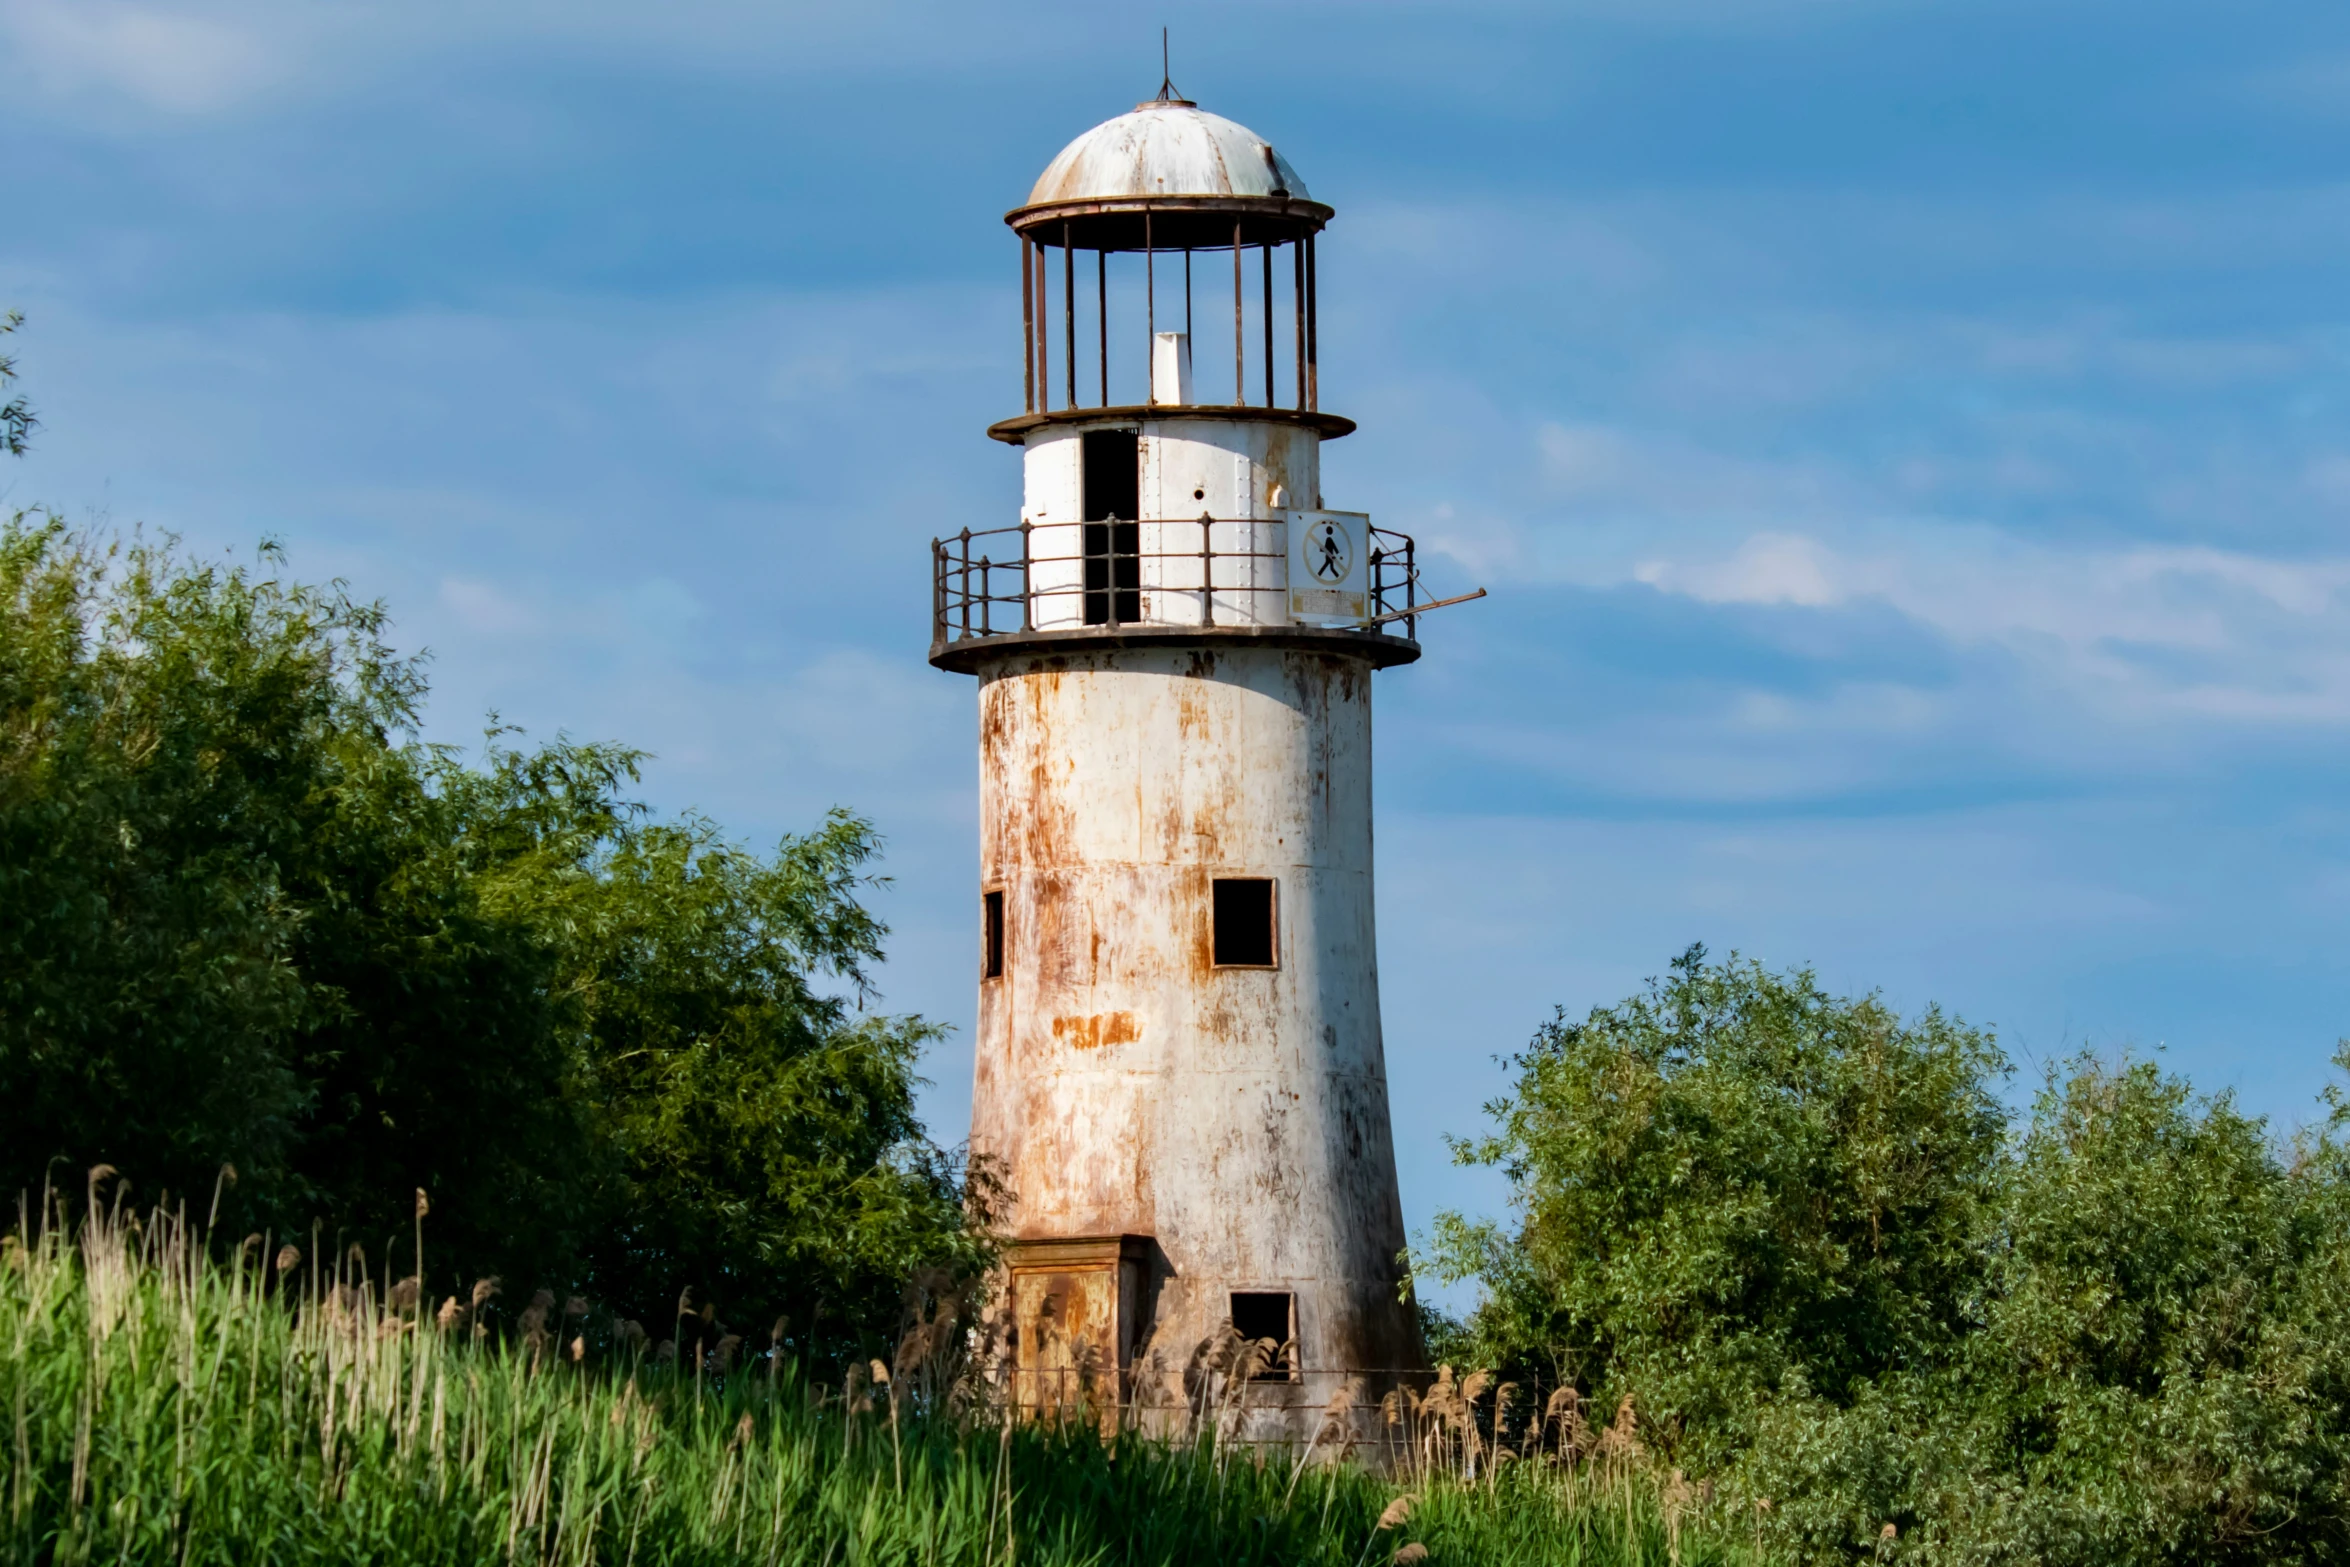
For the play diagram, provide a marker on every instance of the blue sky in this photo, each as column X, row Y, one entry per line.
column 1908, row 445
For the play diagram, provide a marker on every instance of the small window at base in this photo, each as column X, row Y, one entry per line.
column 991, row 940
column 1244, row 931
column 1268, row 1314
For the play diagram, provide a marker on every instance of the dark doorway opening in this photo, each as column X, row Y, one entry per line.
column 1244, row 934
column 991, row 939
column 1268, row 1314
column 1113, row 496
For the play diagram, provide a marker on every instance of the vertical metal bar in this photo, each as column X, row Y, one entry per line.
column 1313, row 327
column 1027, row 326
column 1044, row 335
column 1069, row 311
column 1270, row 400
column 1239, row 327
column 938, row 592
column 1187, row 294
column 1207, row 568
column 964, row 561
column 1101, row 312
column 1297, row 311
column 1411, row 587
column 1150, row 315
column 986, row 597
column 1027, row 580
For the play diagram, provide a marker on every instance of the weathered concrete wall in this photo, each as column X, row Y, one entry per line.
column 1127, row 1084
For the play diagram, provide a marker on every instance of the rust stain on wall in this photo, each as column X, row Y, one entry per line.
column 1102, row 1028
column 1191, row 715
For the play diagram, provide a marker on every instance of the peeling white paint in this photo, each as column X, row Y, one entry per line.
column 1166, row 149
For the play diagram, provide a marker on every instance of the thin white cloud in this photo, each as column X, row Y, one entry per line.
column 174, row 59
column 1768, row 568
column 487, row 609
column 2138, row 633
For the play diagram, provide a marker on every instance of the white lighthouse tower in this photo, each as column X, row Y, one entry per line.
column 1180, row 1070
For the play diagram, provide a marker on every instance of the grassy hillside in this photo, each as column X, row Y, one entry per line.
column 162, row 1405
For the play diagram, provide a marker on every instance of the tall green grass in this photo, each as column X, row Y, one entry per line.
column 162, row 1405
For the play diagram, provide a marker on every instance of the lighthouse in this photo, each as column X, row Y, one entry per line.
column 1180, row 1073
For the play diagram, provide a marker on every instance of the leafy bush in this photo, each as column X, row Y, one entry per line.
column 2157, row 1372
column 1728, row 1182
column 1803, row 1235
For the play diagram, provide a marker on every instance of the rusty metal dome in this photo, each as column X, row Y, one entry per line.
column 1167, row 147
column 1196, row 174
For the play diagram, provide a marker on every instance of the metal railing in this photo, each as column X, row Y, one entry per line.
column 1157, row 573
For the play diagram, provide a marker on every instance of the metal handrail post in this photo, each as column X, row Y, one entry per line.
column 964, row 560
column 1411, row 588
column 1207, row 571
column 1027, row 581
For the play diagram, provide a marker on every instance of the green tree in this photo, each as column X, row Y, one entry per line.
column 2138, row 1361
column 237, row 928
column 1730, row 1183
column 16, row 415
column 768, row 1150
column 1802, row 1234
column 167, row 740
column 247, row 918
column 2157, row 1373
column 440, row 1053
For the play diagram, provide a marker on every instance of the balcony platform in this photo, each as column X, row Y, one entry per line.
column 969, row 655
column 1016, row 430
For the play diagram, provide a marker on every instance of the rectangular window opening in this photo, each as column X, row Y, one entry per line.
column 1112, row 479
column 1268, row 1314
column 992, row 936
column 1245, row 932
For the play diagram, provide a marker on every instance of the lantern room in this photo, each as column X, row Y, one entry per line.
column 1210, row 233
column 1171, row 428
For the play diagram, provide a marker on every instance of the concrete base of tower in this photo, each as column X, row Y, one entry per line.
column 1097, row 1328
column 1180, row 1071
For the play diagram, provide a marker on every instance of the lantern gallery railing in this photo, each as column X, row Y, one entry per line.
column 1177, row 572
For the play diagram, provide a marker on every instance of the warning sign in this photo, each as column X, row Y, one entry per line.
column 1328, row 576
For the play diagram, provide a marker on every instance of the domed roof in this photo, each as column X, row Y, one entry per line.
column 1167, row 148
